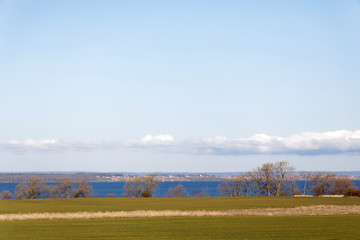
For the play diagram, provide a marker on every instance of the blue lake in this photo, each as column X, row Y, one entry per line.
column 102, row 189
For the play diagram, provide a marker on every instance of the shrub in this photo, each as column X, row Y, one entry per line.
column 146, row 194
column 110, row 195
column 6, row 195
column 296, row 191
column 352, row 191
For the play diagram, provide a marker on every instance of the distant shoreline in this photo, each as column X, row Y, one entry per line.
column 19, row 177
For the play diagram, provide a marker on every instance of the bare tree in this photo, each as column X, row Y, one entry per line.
column 33, row 188
column 64, row 188
column 6, row 195
column 255, row 182
column 233, row 186
column 150, row 184
column 282, row 174
column 138, row 186
column 246, row 185
column 225, row 188
column 268, row 179
column 133, row 187
column 264, row 177
column 293, row 185
column 271, row 179
column 321, row 183
column 340, row 184
column 178, row 191
column 306, row 177
column 83, row 189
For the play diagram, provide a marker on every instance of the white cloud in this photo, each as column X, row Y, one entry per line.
column 30, row 144
column 153, row 141
column 52, row 145
column 307, row 143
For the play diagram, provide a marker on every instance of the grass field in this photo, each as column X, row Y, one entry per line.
column 187, row 203
column 307, row 227
column 290, row 227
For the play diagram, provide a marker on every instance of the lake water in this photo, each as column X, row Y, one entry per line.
column 102, row 189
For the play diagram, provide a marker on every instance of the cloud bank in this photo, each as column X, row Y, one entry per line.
column 52, row 145
column 307, row 143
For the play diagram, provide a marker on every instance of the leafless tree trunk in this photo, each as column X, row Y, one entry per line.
column 267, row 173
column 306, row 176
column 282, row 172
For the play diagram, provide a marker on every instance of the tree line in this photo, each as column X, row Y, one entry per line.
column 269, row 179
column 65, row 187
column 36, row 187
column 147, row 186
column 279, row 179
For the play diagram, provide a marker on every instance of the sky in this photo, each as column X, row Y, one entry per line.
column 195, row 86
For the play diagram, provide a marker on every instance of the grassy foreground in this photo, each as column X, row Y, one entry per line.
column 187, row 203
column 290, row 227
column 309, row 227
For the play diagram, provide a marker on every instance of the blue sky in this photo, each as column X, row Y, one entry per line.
column 179, row 85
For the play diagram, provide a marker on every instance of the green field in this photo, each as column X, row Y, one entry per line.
column 187, row 203
column 299, row 227
column 314, row 227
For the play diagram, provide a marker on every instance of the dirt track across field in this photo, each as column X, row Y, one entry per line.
column 297, row 211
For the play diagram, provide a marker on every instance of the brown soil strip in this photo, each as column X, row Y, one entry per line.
column 297, row 211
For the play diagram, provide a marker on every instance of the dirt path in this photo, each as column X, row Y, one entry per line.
column 297, row 211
